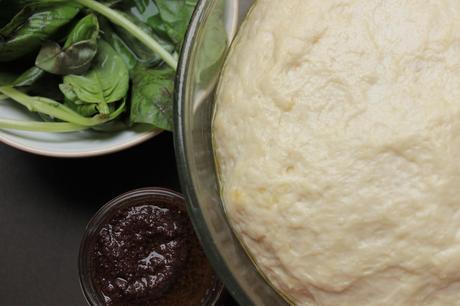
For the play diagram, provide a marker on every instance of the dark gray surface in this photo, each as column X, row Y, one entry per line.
column 45, row 204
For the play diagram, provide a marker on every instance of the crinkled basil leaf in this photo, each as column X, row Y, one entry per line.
column 152, row 97
column 79, row 50
column 86, row 110
column 10, row 8
column 87, row 29
column 147, row 12
column 29, row 77
column 118, row 44
column 107, row 80
column 143, row 54
column 175, row 15
column 168, row 19
column 34, row 24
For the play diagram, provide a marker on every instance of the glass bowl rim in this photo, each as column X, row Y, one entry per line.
column 181, row 150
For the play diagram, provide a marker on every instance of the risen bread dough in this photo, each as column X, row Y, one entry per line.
column 337, row 133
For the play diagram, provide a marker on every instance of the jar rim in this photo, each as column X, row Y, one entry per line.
column 98, row 219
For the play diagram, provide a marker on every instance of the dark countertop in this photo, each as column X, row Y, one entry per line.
column 45, row 204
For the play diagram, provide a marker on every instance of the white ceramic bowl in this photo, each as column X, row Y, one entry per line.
column 74, row 144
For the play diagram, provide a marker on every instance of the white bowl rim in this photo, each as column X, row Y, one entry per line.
column 83, row 153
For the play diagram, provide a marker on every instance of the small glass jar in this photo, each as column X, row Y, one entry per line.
column 104, row 215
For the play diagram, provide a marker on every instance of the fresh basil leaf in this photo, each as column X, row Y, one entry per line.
column 147, row 12
column 29, row 77
column 175, row 15
column 107, row 81
column 69, row 93
column 143, row 54
column 11, row 7
column 86, row 110
column 74, row 60
column 31, row 26
column 87, row 29
column 79, row 50
column 113, row 126
column 152, row 97
column 168, row 19
column 143, row 10
column 118, row 44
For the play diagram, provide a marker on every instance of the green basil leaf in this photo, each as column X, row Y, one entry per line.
column 107, row 81
column 86, row 110
column 143, row 54
column 143, row 10
column 87, row 29
column 168, row 19
column 69, row 93
column 29, row 77
column 118, row 44
column 79, row 50
column 147, row 12
column 175, row 15
column 152, row 97
column 10, row 8
column 31, row 26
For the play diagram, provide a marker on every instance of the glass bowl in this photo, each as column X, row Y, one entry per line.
column 208, row 39
column 105, row 213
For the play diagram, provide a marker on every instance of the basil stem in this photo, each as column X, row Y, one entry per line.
column 123, row 22
column 38, row 126
column 56, row 109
